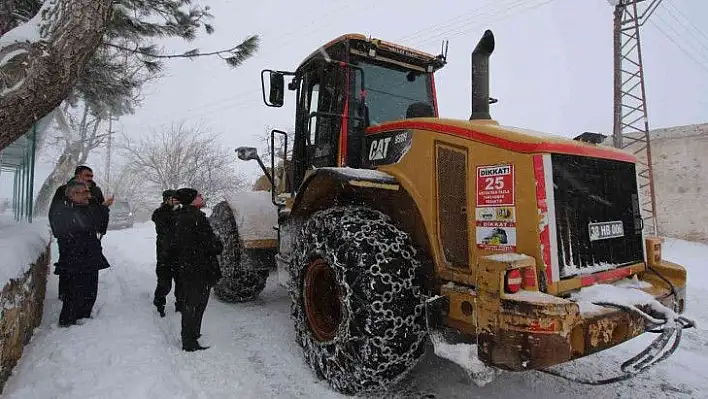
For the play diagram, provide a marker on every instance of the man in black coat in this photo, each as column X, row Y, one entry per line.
column 80, row 254
column 194, row 248
column 82, row 174
column 164, row 219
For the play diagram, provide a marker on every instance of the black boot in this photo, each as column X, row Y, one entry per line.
column 161, row 311
column 192, row 347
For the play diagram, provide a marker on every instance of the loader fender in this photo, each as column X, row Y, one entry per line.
column 256, row 218
column 332, row 186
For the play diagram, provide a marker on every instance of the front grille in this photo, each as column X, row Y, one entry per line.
column 452, row 210
column 592, row 190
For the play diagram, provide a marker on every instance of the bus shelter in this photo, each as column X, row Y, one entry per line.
column 18, row 160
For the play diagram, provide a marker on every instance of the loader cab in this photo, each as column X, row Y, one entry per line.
column 344, row 87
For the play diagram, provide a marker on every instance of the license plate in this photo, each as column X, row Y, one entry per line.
column 605, row 230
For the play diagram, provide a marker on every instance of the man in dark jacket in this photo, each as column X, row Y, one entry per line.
column 82, row 174
column 80, row 254
column 194, row 248
column 164, row 220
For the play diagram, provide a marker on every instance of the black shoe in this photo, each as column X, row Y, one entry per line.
column 161, row 311
column 193, row 348
column 66, row 324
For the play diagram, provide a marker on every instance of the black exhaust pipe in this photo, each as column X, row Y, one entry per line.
column 480, row 76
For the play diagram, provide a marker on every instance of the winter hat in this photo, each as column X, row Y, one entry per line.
column 167, row 194
column 186, row 195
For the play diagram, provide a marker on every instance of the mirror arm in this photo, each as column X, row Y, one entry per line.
column 265, row 171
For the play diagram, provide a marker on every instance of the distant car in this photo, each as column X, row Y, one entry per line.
column 121, row 217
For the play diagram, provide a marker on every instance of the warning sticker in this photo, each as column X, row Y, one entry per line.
column 501, row 239
column 496, row 228
column 495, row 185
column 496, row 217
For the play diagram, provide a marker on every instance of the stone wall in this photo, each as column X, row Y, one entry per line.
column 22, row 305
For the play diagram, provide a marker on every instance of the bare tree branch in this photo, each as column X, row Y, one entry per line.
column 180, row 156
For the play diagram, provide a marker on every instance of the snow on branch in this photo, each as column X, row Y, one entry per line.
column 40, row 60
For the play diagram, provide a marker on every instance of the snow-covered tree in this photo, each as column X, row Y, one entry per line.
column 183, row 156
column 37, row 52
column 42, row 59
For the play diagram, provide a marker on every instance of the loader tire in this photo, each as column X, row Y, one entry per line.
column 241, row 281
column 356, row 299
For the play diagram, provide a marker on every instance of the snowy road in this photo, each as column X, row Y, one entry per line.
column 127, row 351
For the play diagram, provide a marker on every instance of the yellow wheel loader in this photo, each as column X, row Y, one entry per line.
column 390, row 223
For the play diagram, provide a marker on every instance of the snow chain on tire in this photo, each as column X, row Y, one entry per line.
column 382, row 331
column 238, row 284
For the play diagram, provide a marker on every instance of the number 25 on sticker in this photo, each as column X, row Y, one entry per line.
column 494, row 183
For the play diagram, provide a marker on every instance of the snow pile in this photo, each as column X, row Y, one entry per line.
column 508, row 257
column 21, row 243
column 255, row 215
column 589, row 297
column 365, row 174
column 465, row 356
column 633, row 282
column 536, row 297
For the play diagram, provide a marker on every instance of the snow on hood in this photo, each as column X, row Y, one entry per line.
column 255, row 214
column 21, row 243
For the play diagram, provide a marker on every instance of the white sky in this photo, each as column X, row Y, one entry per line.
column 551, row 69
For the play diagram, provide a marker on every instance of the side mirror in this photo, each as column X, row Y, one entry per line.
column 247, row 153
column 276, row 91
column 277, row 88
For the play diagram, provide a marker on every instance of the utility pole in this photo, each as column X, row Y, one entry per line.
column 631, row 123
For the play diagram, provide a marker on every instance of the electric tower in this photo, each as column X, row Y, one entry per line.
column 631, row 124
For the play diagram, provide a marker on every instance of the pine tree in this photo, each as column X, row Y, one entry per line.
column 124, row 59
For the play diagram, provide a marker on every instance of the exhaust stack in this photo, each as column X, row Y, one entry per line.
column 480, row 76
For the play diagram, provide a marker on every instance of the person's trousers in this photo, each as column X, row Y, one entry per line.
column 62, row 283
column 165, row 275
column 196, row 297
column 80, row 291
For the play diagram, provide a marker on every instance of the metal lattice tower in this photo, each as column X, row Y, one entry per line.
column 631, row 124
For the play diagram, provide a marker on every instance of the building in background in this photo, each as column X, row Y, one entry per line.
column 680, row 159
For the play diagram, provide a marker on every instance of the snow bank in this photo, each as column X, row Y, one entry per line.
column 21, row 243
column 465, row 356
column 255, row 215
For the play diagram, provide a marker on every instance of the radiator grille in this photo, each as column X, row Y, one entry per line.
column 591, row 190
column 452, row 209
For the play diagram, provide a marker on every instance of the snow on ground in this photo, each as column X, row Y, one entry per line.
column 127, row 351
column 21, row 243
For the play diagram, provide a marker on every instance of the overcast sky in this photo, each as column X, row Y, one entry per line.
column 551, row 69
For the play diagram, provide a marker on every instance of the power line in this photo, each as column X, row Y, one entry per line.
column 682, row 24
column 680, row 46
column 503, row 11
column 244, row 102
